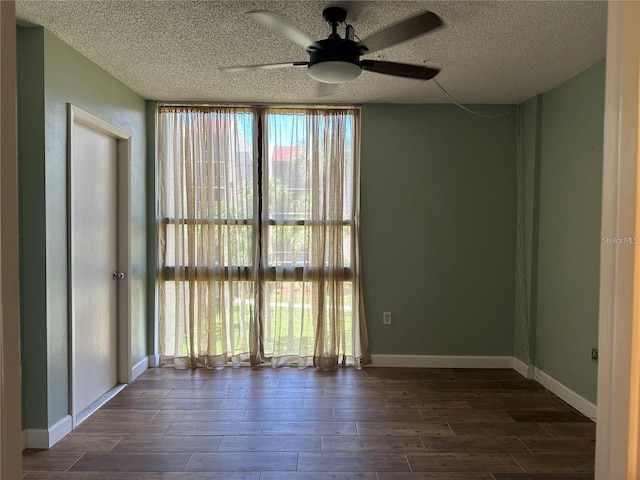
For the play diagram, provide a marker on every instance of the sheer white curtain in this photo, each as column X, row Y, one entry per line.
column 207, row 236
column 258, row 249
column 312, row 313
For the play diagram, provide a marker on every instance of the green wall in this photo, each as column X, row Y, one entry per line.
column 562, row 142
column 526, row 273
column 569, row 231
column 31, row 178
column 438, row 229
column 64, row 76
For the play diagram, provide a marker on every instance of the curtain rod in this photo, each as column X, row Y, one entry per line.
column 257, row 105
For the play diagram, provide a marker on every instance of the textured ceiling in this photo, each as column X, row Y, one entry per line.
column 489, row 52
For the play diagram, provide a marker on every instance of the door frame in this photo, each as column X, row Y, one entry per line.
column 78, row 116
column 618, row 429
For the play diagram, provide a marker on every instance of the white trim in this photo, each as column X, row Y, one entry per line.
column 86, row 118
column 441, row 361
column 41, row 438
column 59, row 429
column 139, row 368
column 93, row 408
column 578, row 402
column 527, row 371
column 154, row 360
column 617, row 436
column 124, row 257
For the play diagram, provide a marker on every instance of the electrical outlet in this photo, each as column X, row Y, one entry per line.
column 386, row 318
column 594, row 355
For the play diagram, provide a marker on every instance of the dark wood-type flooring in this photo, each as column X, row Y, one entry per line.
column 286, row 424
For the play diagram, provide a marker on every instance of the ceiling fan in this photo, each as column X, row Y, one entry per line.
column 337, row 59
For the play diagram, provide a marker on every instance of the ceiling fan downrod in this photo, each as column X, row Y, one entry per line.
column 334, row 16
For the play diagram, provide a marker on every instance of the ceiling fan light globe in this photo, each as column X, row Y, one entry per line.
column 334, row 71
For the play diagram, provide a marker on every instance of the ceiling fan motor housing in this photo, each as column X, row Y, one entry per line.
column 336, row 61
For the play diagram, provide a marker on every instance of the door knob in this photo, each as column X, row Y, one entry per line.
column 118, row 275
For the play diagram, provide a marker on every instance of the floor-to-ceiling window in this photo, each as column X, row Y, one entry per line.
column 258, row 219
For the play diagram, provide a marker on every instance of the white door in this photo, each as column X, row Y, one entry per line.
column 93, row 211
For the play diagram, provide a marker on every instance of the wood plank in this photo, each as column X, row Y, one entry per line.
column 277, row 393
column 543, row 476
column 177, row 404
column 371, row 443
column 346, row 403
column 473, row 444
column 435, row 476
column 167, row 443
column 214, row 428
column 129, row 462
column 87, row 476
column 429, row 405
column 309, row 428
column 352, row 462
column 208, row 393
column 165, row 383
column 560, row 444
column 583, row 430
column 404, row 428
column 121, row 428
column 523, row 402
column 465, row 416
column 499, row 429
column 289, row 415
column 200, row 416
column 258, row 403
column 122, row 416
column 319, row 476
column 201, row 476
column 556, row 462
column 143, row 393
column 259, row 443
column 48, row 459
column 462, row 462
column 77, row 442
column 242, row 461
column 357, row 415
column 550, row 416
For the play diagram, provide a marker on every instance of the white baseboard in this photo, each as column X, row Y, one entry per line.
column 578, row 402
column 154, row 360
column 24, row 439
column 440, row 361
column 139, row 368
column 93, row 408
column 41, row 438
column 527, row 371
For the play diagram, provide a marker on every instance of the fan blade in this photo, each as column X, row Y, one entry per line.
column 268, row 66
column 400, row 69
column 401, row 31
column 326, row 89
column 278, row 25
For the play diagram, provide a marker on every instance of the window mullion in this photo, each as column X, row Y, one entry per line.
column 259, row 257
